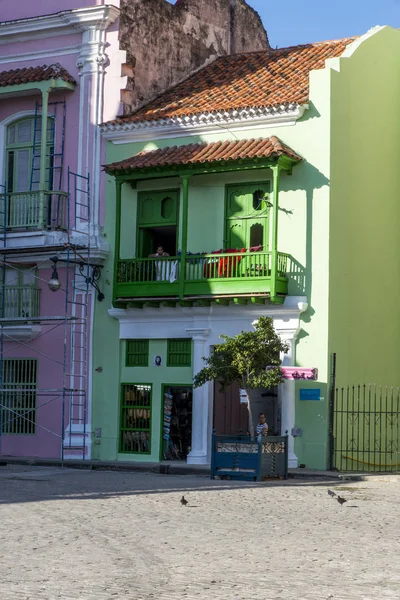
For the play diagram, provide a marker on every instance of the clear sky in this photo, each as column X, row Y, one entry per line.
column 296, row 22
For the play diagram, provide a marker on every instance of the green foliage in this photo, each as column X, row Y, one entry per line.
column 244, row 357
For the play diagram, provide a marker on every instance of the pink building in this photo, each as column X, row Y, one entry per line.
column 60, row 76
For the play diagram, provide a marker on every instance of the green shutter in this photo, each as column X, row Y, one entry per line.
column 179, row 353
column 135, row 426
column 137, row 353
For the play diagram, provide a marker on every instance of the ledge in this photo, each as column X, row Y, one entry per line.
column 17, row 333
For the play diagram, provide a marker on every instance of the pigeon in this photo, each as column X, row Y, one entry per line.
column 183, row 501
column 341, row 500
column 332, row 494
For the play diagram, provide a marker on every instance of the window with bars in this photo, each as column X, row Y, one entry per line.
column 179, row 353
column 137, row 353
column 18, row 396
column 135, row 429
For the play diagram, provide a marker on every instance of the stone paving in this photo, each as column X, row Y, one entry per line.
column 94, row 535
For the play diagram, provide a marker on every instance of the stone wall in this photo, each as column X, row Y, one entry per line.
column 166, row 42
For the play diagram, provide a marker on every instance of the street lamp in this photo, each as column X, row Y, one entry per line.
column 55, row 284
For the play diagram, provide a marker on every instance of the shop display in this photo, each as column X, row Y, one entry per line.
column 177, row 424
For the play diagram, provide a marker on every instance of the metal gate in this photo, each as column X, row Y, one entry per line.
column 366, row 428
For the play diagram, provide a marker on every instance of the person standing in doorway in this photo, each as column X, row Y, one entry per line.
column 262, row 425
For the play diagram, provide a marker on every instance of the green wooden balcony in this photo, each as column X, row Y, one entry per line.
column 33, row 210
column 204, row 276
column 19, row 302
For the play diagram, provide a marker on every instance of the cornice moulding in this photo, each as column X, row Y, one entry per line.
column 62, row 23
column 203, row 123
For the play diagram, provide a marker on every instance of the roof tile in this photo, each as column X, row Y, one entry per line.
column 214, row 152
column 241, row 81
column 32, row 74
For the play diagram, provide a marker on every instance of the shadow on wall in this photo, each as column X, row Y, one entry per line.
column 308, row 178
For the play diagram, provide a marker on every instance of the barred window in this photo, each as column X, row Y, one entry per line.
column 135, row 429
column 18, row 396
column 137, row 353
column 179, row 353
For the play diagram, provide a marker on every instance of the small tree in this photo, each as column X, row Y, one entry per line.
column 244, row 358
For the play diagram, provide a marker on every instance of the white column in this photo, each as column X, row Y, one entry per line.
column 288, row 395
column 200, row 408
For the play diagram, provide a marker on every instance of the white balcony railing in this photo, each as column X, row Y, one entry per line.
column 33, row 210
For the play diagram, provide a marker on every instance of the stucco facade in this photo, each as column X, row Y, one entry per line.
column 51, row 207
column 320, row 206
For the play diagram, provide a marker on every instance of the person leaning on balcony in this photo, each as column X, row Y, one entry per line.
column 162, row 268
column 159, row 253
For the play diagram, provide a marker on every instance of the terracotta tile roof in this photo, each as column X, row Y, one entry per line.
column 240, row 81
column 214, row 152
column 31, row 74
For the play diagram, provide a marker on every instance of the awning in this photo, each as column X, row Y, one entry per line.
column 215, row 153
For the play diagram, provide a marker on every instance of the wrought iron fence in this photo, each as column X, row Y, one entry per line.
column 366, row 428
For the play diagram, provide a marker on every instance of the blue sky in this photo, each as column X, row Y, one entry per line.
column 293, row 22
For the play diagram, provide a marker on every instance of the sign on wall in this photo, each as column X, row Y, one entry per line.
column 310, row 394
column 300, row 373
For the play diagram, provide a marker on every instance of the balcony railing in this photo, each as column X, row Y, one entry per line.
column 33, row 210
column 19, row 302
column 203, row 275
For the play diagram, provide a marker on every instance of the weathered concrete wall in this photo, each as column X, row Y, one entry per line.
column 166, row 42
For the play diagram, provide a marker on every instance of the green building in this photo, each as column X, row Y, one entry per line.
column 269, row 181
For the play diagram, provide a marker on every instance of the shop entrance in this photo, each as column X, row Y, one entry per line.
column 232, row 418
column 177, row 422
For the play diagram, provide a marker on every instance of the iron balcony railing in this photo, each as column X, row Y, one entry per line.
column 19, row 302
column 33, row 210
column 217, row 271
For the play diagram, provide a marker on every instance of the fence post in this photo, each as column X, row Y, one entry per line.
column 332, row 411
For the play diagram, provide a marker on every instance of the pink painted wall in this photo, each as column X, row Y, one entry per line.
column 80, row 134
column 24, row 10
column 48, row 348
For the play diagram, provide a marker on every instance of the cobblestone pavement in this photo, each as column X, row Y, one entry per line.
column 90, row 535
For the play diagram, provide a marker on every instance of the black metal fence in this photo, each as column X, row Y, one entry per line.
column 366, row 428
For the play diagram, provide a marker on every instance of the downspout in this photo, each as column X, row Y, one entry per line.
column 43, row 154
column 117, row 244
column 185, row 203
column 275, row 207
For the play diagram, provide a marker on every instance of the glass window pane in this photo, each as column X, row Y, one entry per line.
column 11, row 134
column 25, row 131
column 23, row 171
column 11, row 277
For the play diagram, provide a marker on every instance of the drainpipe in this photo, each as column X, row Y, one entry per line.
column 43, row 152
column 275, row 206
column 185, row 202
column 117, row 244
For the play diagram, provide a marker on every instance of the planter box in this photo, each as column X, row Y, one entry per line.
column 240, row 457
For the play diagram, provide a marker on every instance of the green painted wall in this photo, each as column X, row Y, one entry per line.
column 304, row 232
column 364, row 291
column 109, row 420
column 157, row 376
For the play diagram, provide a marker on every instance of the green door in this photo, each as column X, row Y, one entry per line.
column 247, row 216
column 146, row 243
